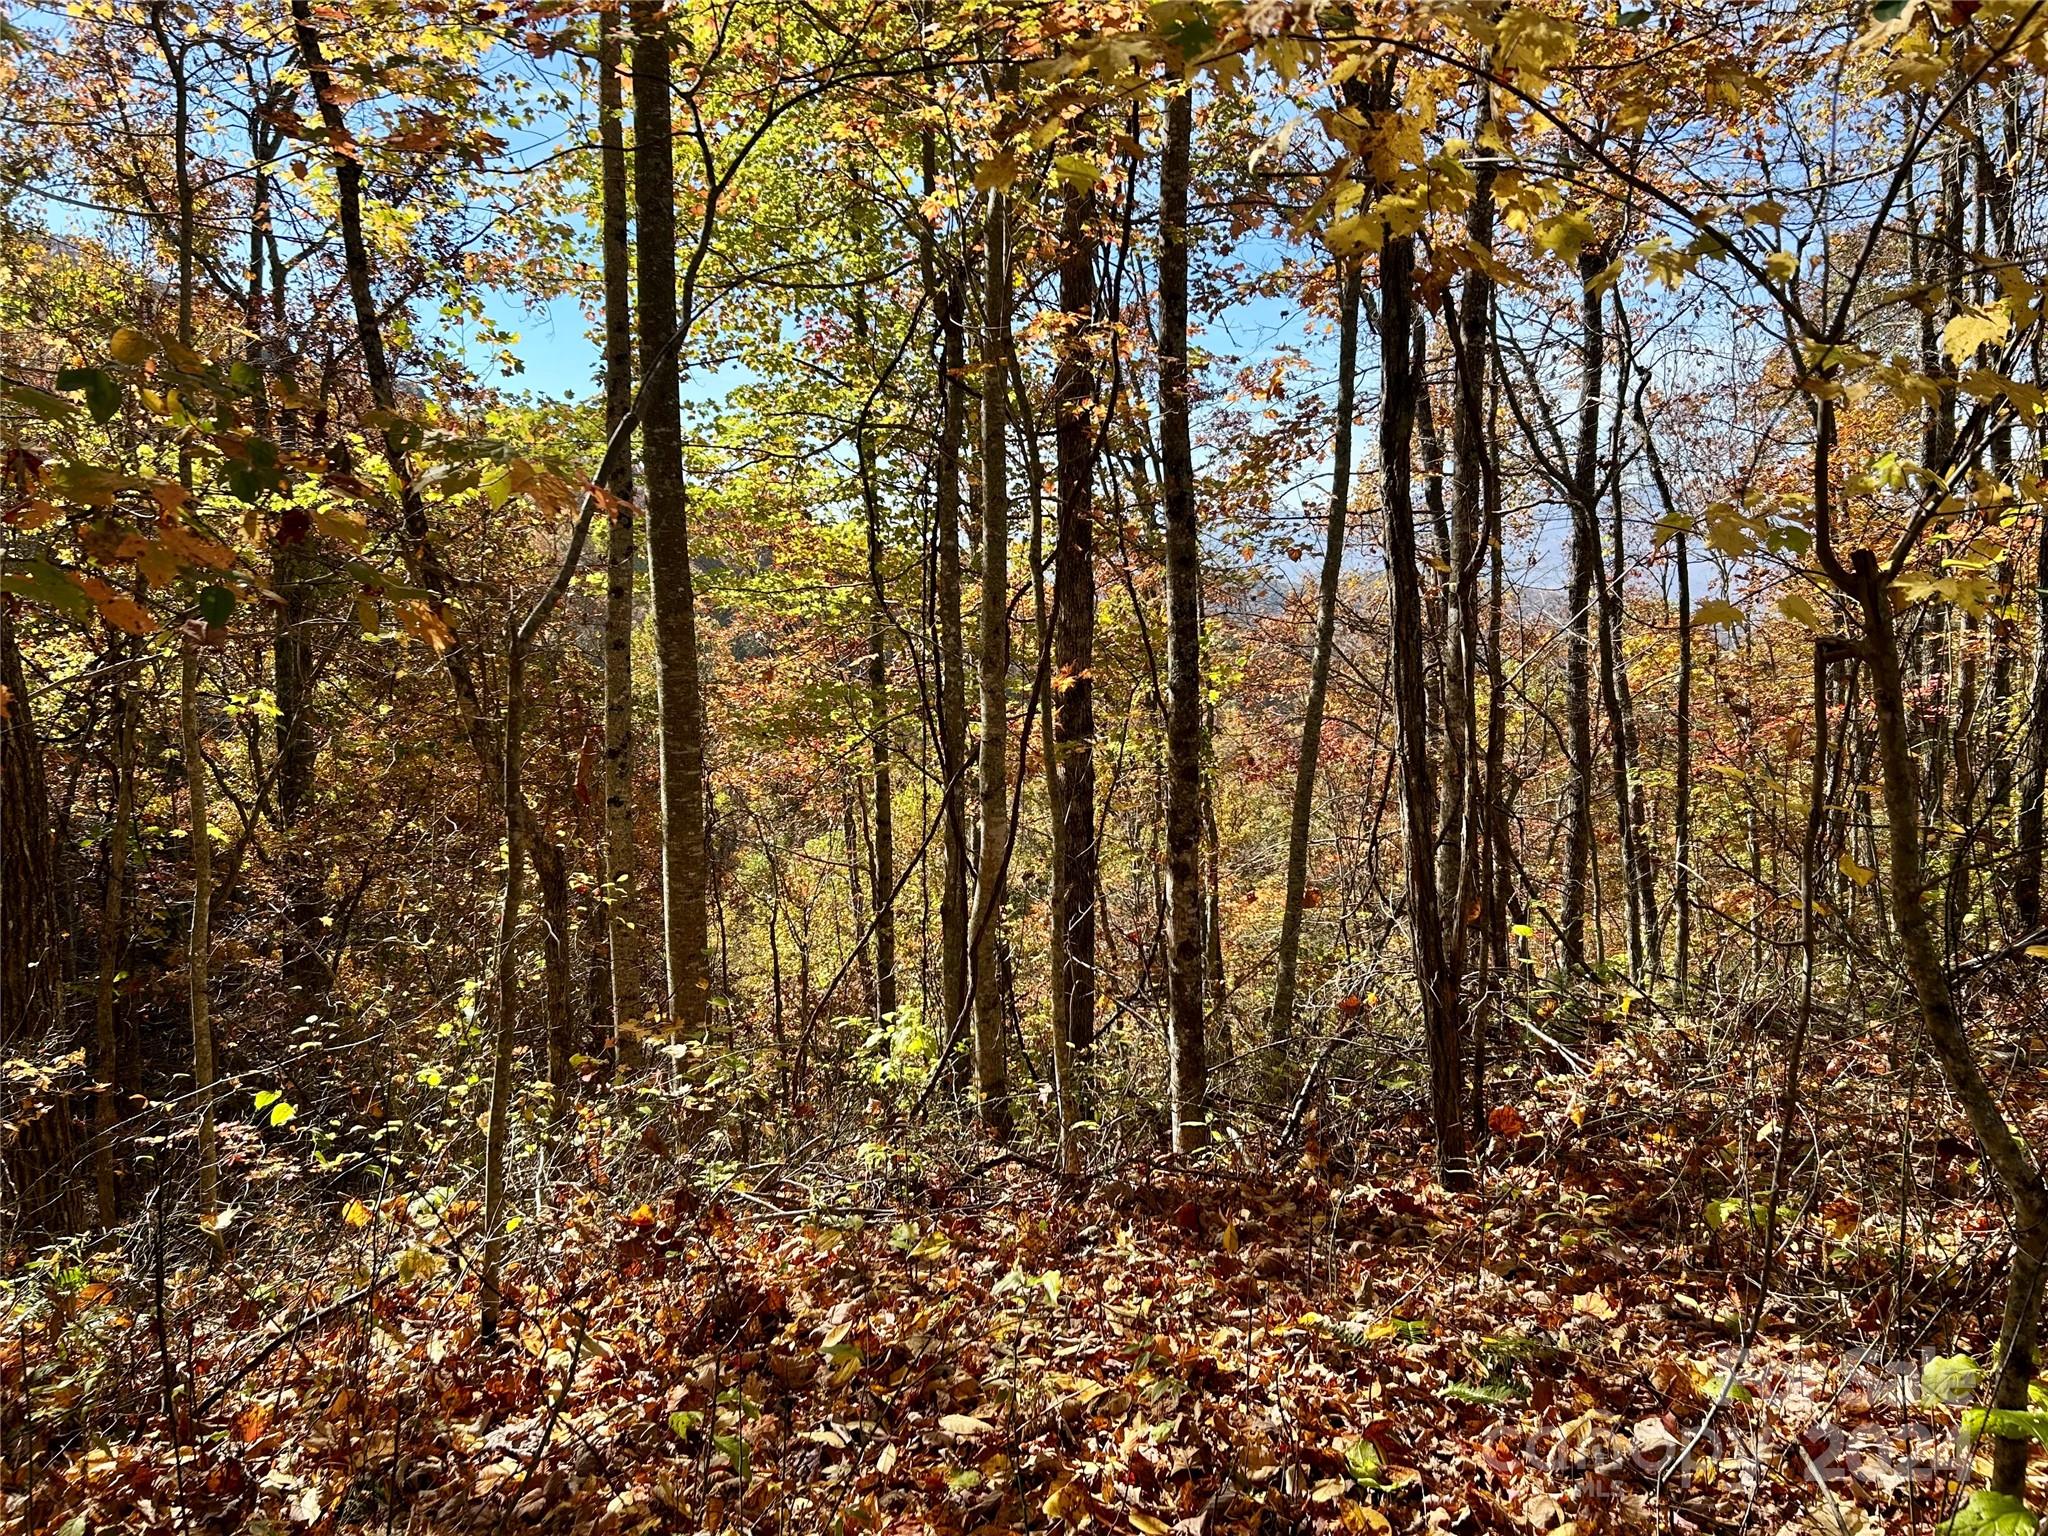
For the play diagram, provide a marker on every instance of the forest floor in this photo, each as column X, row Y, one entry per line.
column 1338, row 1346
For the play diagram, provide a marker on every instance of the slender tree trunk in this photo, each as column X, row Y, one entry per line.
column 1072, row 706
column 952, row 723
column 1919, row 945
column 1286, row 961
column 2033, row 777
column 883, row 878
column 857, row 902
column 498, row 1130
column 108, row 1071
column 307, row 978
column 621, row 861
column 684, row 877
column 1612, row 684
column 1436, row 982
column 1187, row 1056
column 1585, row 559
column 1681, row 814
column 1474, row 537
column 519, row 639
column 991, row 1078
column 198, row 939
column 422, row 556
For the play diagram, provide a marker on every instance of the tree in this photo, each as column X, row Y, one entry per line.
column 1302, row 811
column 991, row 1073
column 684, row 872
column 1076, row 436
column 620, row 852
column 1188, row 1068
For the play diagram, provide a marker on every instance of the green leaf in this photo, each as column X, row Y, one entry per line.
column 1990, row 1514
column 215, row 605
column 41, row 582
column 281, row 1112
column 1186, row 25
column 1888, row 10
column 1362, row 1461
column 1950, row 1378
column 2006, row 1423
column 46, row 405
column 683, row 1420
column 1486, row 1396
column 1077, row 171
column 102, row 394
column 735, row 1450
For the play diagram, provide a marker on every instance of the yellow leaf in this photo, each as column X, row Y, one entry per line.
column 965, row 1426
column 1077, row 171
column 1798, row 608
column 1856, row 872
column 1149, row 1525
column 1977, row 325
column 356, row 1214
column 1781, row 266
column 1593, row 1304
column 130, row 346
column 1565, row 235
column 995, row 174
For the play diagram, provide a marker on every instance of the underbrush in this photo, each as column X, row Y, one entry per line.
column 867, row 1323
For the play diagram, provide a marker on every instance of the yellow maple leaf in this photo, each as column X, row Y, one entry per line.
column 1977, row 325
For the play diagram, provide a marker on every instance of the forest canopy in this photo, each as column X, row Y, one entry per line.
column 976, row 765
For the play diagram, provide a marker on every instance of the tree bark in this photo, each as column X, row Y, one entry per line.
column 621, row 859
column 684, row 876
column 1073, row 638
column 947, row 292
column 1681, row 814
column 991, row 1080
column 1286, row 961
column 882, row 879
column 198, row 938
column 1188, row 1068
column 1436, row 982
column 108, row 1071
column 32, row 1022
column 1585, row 560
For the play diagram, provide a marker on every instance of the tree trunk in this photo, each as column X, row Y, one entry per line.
column 1436, row 982
column 32, row 1022
column 198, row 939
column 422, row 557
column 1286, row 961
column 1681, row 814
column 622, row 946
column 1073, row 638
column 108, row 1071
column 1585, row 558
column 2033, row 788
column 952, row 646
column 1907, row 883
column 1188, row 1068
column 684, row 877
column 882, row 880
column 1475, row 512
column 991, row 1081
